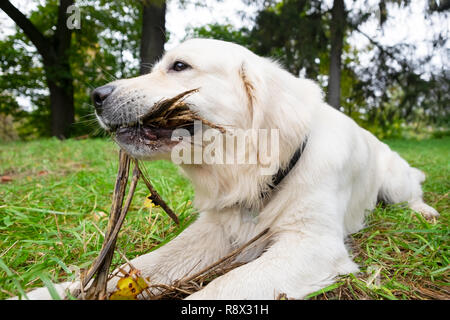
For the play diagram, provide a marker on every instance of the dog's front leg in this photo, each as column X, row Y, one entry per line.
column 201, row 244
column 296, row 264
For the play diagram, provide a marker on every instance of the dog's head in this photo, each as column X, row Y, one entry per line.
column 224, row 84
column 206, row 75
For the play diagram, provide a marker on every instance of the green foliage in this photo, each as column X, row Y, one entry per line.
column 388, row 96
column 221, row 32
column 293, row 32
column 23, row 75
column 110, row 30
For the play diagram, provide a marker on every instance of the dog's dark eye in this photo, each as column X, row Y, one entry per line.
column 179, row 66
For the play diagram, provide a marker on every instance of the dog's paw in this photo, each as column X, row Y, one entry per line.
column 425, row 210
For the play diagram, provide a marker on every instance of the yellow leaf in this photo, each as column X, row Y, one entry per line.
column 129, row 288
column 148, row 203
column 141, row 283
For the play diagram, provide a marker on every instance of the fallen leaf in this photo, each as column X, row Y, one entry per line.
column 98, row 215
column 148, row 203
column 83, row 137
column 129, row 287
column 6, row 178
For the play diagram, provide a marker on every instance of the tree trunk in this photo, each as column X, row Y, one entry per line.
column 337, row 40
column 153, row 33
column 61, row 104
column 55, row 56
column 60, row 81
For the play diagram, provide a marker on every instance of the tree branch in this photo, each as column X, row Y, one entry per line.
column 375, row 43
column 41, row 43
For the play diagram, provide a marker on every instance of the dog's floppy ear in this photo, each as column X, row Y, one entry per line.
column 277, row 99
column 254, row 88
column 255, row 85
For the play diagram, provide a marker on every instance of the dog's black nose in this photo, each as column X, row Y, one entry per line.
column 99, row 95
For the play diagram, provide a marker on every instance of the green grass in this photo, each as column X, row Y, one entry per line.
column 61, row 192
column 400, row 254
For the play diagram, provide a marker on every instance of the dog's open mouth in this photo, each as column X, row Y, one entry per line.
column 156, row 128
column 145, row 135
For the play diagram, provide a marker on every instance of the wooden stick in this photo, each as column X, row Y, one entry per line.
column 175, row 109
column 119, row 192
column 184, row 284
column 155, row 197
column 99, row 291
column 227, row 257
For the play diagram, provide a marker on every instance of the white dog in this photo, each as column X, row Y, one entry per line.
column 334, row 172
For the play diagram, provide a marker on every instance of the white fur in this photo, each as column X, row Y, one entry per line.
column 342, row 172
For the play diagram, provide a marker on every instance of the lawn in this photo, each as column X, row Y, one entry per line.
column 55, row 198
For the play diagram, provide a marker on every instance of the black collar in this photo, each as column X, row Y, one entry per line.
column 277, row 178
column 283, row 172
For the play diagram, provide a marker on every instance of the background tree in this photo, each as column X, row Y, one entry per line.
column 392, row 89
column 153, row 35
column 293, row 32
column 102, row 50
column 398, row 87
column 337, row 33
column 311, row 39
column 53, row 43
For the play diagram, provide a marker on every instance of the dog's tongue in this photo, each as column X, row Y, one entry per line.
column 149, row 133
column 156, row 133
